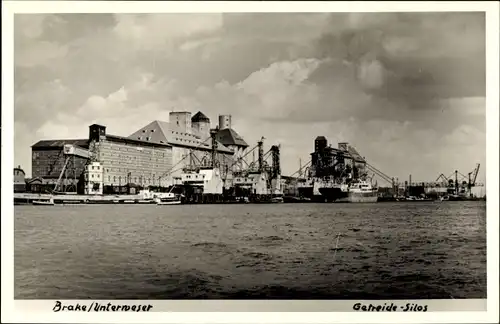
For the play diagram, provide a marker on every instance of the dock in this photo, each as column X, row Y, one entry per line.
column 28, row 198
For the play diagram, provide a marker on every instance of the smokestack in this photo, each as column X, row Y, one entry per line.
column 224, row 121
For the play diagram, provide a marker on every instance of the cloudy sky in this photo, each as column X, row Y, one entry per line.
column 407, row 90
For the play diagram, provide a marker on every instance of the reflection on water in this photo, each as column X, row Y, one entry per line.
column 282, row 251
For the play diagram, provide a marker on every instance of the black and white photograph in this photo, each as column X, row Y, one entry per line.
column 251, row 156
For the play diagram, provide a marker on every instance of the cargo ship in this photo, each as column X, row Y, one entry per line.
column 337, row 175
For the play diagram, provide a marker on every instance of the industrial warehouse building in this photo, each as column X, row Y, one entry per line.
column 154, row 155
column 47, row 162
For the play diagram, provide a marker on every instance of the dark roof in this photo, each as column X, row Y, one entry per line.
column 19, row 169
column 59, row 143
column 199, row 116
column 320, row 138
column 163, row 132
column 133, row 140
column 228, row 136
column 37, row 179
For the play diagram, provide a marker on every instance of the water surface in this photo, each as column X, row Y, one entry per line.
column 279, row 251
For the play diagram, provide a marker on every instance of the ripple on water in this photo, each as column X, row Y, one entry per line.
column 283, row 251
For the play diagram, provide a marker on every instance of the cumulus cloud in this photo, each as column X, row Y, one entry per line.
column 170, row 30
column 400, row 87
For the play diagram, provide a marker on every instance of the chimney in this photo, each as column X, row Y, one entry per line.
column 224, row 121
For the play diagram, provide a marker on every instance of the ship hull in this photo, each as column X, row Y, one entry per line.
column 360, row 198
column 306, row 192
column 332, row 194
column 309, row 194
column 339, row 195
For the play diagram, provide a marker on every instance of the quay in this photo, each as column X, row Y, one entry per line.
column 195, row 163
column 29, row 198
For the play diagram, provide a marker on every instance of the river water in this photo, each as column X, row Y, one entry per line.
column 279, row 251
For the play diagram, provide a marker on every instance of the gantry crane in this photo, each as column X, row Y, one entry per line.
column 472, row 182
column 70, row 152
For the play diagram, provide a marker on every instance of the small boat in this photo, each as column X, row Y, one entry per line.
column 146, row 201
column 277, row 200
column 172, row 202
column 44, row 202
column 167, row 199
column 244, row 200
column 418, row 199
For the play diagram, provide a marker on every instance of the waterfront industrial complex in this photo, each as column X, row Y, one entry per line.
column 188, row 160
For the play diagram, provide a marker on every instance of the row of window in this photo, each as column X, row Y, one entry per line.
column 124, row 157
column 138, row 165
column 195, row 176
column 136, row 158
column 131, row 149
column 185, row 134
column 193, row 141
column 147, row 154
column 136, row 169
column 133, row 179
column 55, row 169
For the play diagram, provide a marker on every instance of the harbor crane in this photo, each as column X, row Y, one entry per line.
column 472, row 182
column 192, row 159
column 70, row 152
column 458, row 182
column 442, row 177
column 474, row 178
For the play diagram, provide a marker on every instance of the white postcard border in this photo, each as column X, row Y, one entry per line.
column 14, row 311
